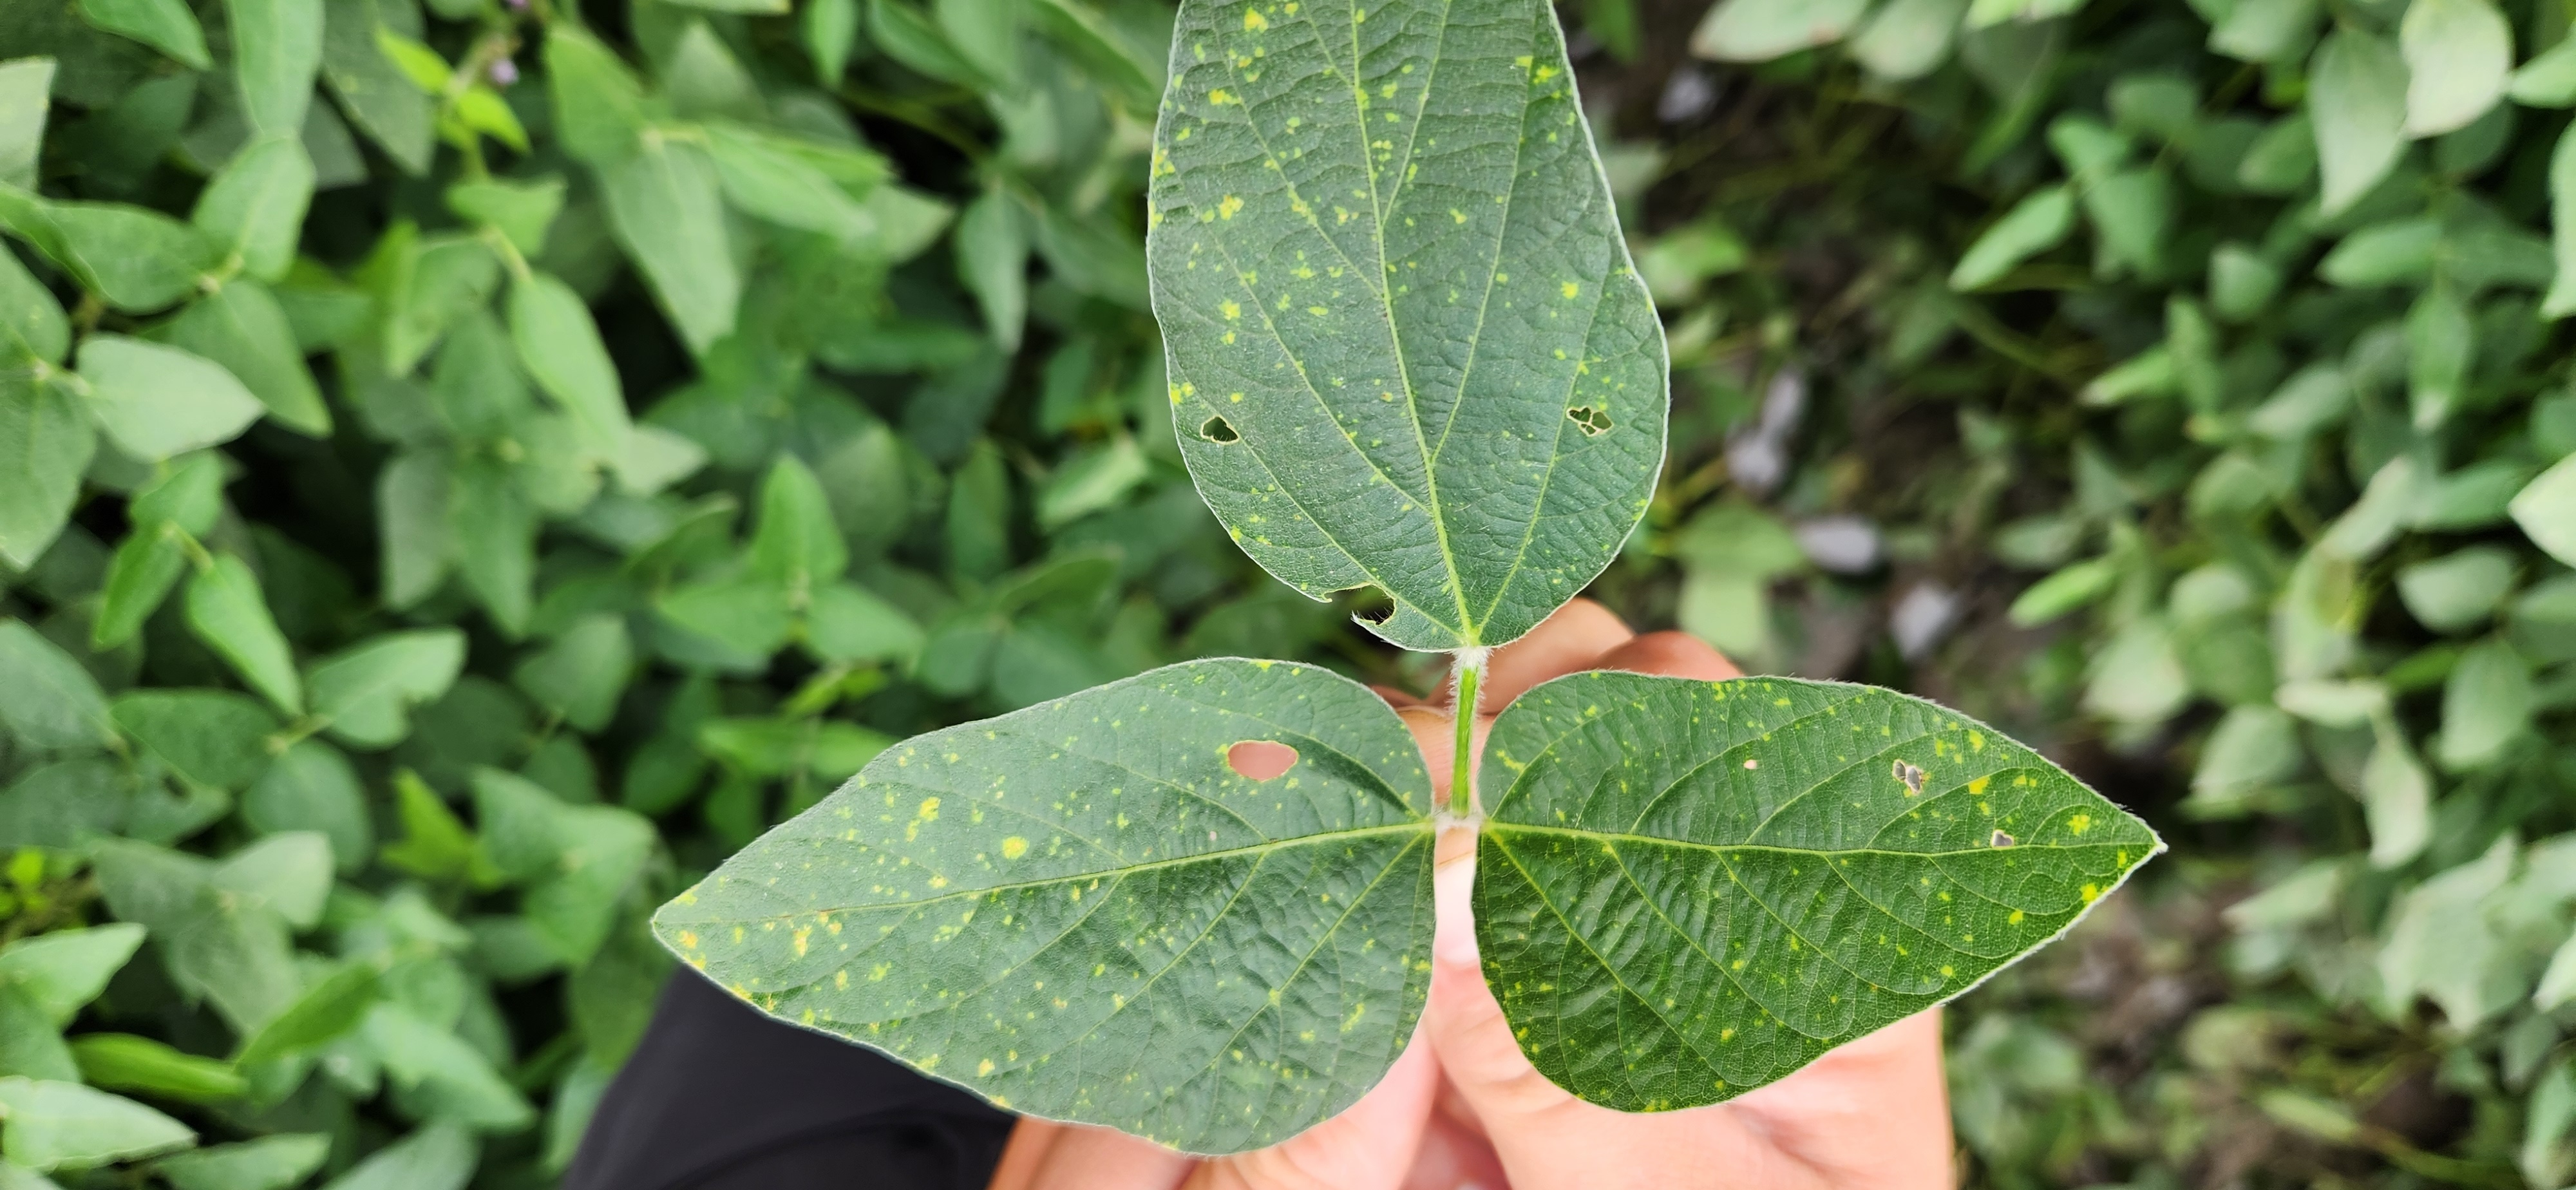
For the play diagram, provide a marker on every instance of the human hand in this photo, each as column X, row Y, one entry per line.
column 1869, row 1115
column 1464, row 1108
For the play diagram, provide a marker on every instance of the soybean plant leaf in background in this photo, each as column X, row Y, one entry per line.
column 1099, row 884
column 1406, row 345
column 46, row 442
column 1686, row 890
column 155, row 401
column 165, row 25
column 66, row 1125
column 2357, row 102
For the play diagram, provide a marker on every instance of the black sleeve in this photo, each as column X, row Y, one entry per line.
column 720, row 1097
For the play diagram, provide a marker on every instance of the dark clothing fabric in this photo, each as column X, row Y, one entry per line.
column 720, row 1097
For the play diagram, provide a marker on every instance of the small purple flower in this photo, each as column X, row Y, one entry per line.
column 504, row 71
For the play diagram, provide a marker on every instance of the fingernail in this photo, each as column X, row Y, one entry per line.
column 1452, row 883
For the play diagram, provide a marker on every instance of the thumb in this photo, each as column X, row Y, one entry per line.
column 1544, row 1137
column 1464, row 1022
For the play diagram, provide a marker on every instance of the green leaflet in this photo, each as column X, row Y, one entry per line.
column 165, row 25
column 1405, row 342
column 54, row 1125
column 277, row 49
column 1793, row 865
column 1020, row 904
column 268, row 1163
column 46, row 442
column 254, row 207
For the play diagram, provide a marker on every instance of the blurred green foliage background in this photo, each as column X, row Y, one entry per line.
column 466, row 466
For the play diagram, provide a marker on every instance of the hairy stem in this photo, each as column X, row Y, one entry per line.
column 1471, row 667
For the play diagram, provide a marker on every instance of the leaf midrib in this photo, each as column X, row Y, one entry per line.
column 1264, row 847
column 1815, row 853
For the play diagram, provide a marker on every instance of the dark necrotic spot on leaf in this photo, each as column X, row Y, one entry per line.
column 1260, row 760
column 1588, row 419
column 1219, row 431
column 2001, row 839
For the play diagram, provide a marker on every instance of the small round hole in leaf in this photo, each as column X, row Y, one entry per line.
column 1219, row 431
column 1260, row 760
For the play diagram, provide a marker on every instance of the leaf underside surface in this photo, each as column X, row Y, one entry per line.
column 1080, row 911
column 1406, row 345
column 1788, row 866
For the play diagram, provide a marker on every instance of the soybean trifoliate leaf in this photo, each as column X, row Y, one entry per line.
column 289, row 873
column 1792, row 865
column 2034, row 225
column 325, row 1012
column 165, row 25
column 438, row 1157
column 1760, row 30
column 254, row 207
column 241, row 327
column 1406, row 345
column 31, row 321
column 762, row 178
column 49, row 702
column 2357, row 103
column 368, row 690
column 277, row 48
column 55, row 1125
column 665, row 208
column 560, row 346
column 26, row 88
column 45, row 446
column 229, row 612
column 210, row 737
column 1122, row 880
column 380, row 101
column 140, row 1065
column 31, row 1046
column 523, row 211
column 134, row 259
column 268, row 1163
column 155, row 401
column 60, row 971
column 2546, row 510
column 2459, row 56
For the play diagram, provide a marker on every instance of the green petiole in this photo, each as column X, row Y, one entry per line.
column 1471, row 666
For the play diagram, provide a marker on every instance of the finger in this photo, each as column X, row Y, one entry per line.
column 1671, row 654
column 1542, row 1137
column 1455, row 1154
column 1872, row 1112
column 1369, row 1146
column 1087, row 1158
column 1031, row 1137
column 1565, row 642
column 1395, row 697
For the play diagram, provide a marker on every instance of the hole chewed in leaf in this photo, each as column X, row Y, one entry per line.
column 2001, row 839
column 1591, row 421
column 1260, row 760
column 1218, row 430
column 1912, row 777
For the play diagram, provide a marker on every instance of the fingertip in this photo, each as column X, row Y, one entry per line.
column 1670, row 654
column 1399, row 699
column 1563, row 643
